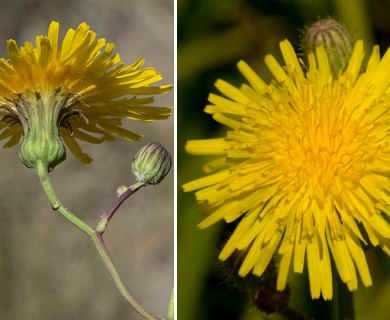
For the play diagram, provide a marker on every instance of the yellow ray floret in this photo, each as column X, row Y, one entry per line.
column 304, row 168
column 100, row 89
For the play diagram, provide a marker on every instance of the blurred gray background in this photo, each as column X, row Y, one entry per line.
column 49, row 269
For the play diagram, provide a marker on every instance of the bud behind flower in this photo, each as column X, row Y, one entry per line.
column 336, row 40
column 151, row 163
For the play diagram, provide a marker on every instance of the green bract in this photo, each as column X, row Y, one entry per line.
column 151, row 163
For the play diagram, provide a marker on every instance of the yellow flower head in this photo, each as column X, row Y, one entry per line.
column 305, row 167
column 80, row 86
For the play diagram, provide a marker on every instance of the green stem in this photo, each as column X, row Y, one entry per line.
column 41, row 170
column 95, row 236
column 103, row 252
column 107, row 215
column 171, row 306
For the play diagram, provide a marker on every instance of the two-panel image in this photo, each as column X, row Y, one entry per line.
column 195, row 160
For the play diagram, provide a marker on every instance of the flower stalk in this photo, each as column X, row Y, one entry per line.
column 42, row 172
column 98, row 241
column 107, row 215
column 94, row 235
column 171, row 306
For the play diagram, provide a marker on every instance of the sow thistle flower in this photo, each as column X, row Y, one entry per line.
column 304, row 168
column 77, row 90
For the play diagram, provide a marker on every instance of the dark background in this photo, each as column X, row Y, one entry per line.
column 212, row 37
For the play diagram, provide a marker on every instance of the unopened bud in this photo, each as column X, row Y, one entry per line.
column 151, row 163
column 336, row 40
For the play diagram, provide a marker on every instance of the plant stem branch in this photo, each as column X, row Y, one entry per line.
column 96, row 236
column 41, row 170
column 107, row 215
column 171, row 306
column 104, row 254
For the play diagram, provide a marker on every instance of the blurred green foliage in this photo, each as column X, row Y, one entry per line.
column 213, row 36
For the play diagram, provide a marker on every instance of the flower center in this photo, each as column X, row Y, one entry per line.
column 324, row 156
column 312, row 160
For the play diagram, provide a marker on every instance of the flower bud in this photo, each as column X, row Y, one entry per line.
column 336, row 40
column 151, row 163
